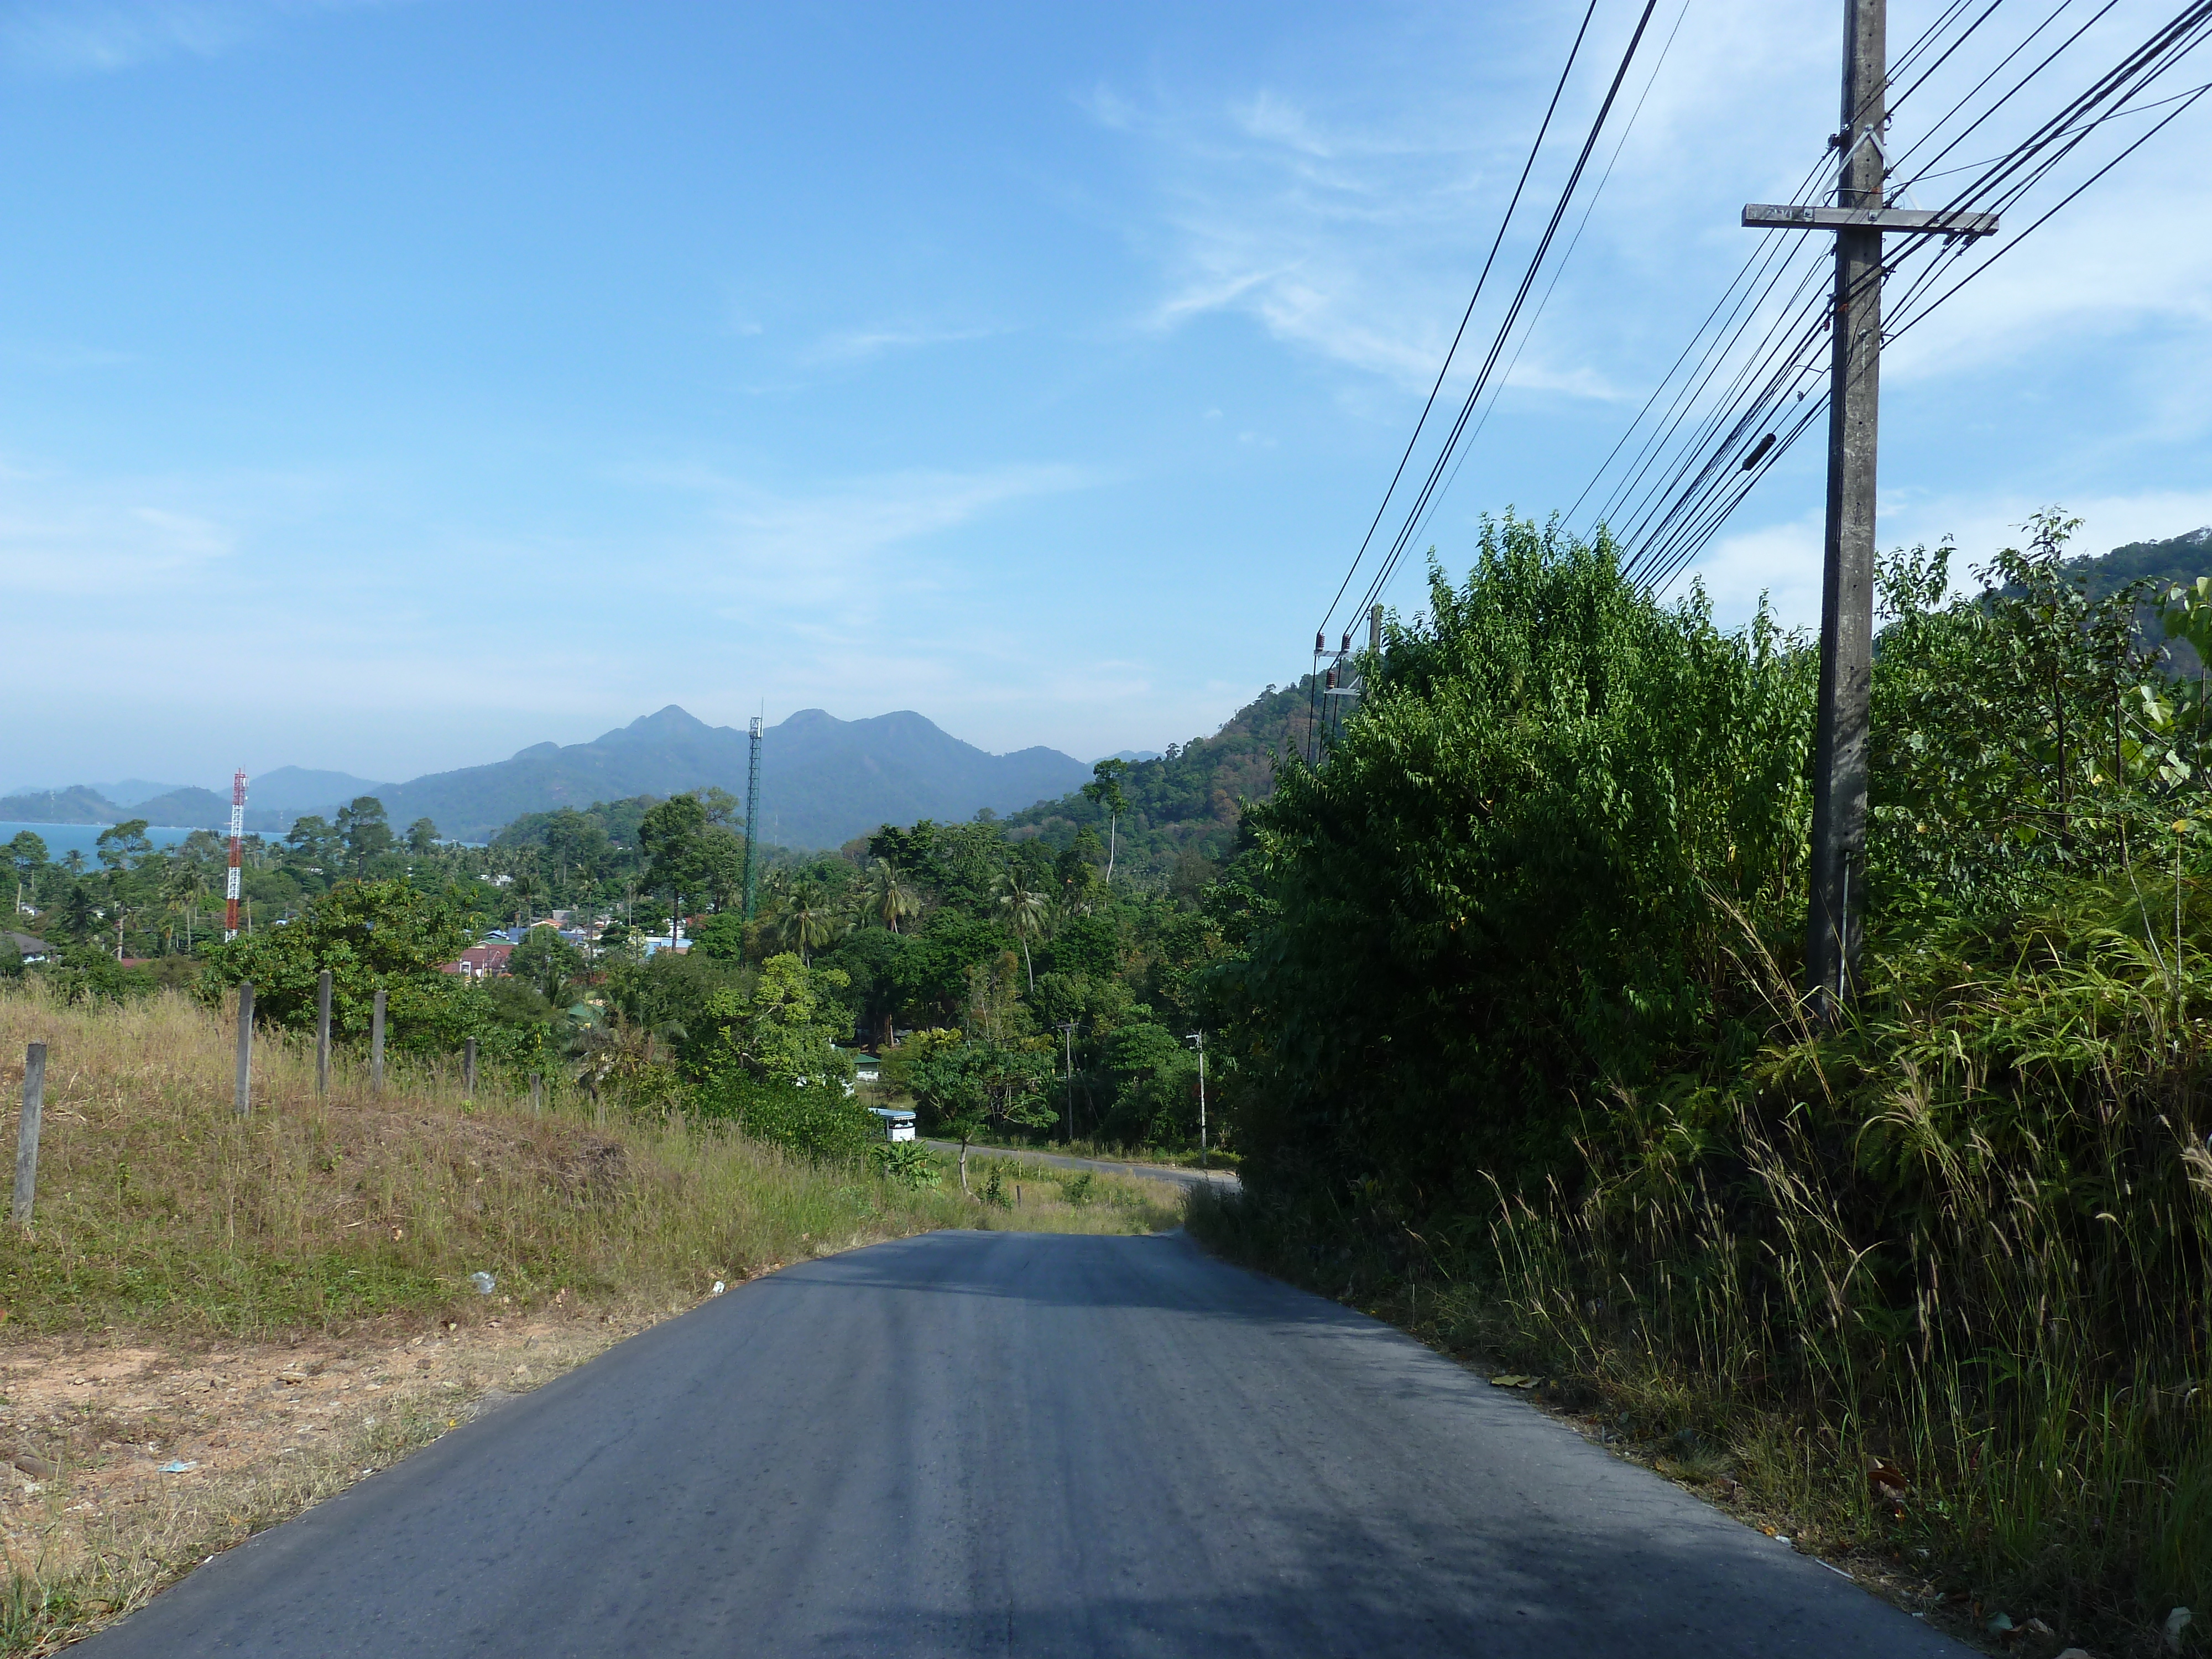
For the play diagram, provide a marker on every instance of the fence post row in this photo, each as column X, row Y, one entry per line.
column 26, row 1133
column 376, row 1046
column 244, row 1047
column 323, row 1032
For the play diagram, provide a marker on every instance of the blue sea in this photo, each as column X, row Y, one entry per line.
column 84, row 837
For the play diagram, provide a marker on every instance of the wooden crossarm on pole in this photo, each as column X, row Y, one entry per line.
column 1941, row 222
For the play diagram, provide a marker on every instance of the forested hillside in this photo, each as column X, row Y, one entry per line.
column 1184, row 805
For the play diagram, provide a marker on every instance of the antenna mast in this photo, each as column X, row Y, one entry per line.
column 752, row 819
column 237, row 853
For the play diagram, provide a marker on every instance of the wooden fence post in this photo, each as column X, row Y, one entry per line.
column 469, row 1071
column 323, row 1032
column 26, row 1133
column 244, row 1047
column 537, row 1094
column 376, row 1046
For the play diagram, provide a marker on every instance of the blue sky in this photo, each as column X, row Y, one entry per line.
column 389, row 387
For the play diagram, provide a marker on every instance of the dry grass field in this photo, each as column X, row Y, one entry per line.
column 284, row 1301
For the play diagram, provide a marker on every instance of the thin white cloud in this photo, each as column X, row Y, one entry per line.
column 66, row 535
column 65, row 38
column 857, row 345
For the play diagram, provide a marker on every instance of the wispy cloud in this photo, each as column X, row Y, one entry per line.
column 63, row 39
column 857, row 345
column 832, row 545
column 66, row 536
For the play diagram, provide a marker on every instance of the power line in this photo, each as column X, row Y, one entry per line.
column 1659, row 551
column 1544, row 128
column 1512, row 312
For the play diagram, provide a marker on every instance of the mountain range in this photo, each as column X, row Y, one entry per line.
column 823, row 781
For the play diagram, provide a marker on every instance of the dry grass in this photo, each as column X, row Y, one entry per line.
column 349, row 1224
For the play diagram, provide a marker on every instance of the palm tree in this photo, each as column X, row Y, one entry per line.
column 887, row 897
column 1027, row 912
column 809, row 920
column 185, row 886
column 1105, row 793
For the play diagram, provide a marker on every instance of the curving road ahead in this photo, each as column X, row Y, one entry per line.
column 1014, row 1443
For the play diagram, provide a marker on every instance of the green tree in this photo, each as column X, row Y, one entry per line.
column 775, row 1065
column 670, row 836
column 1026, row 909
column 807, row 920
column 1524, row 876
column 422, row 837
column 123, row 845
column 364, row 831
column 888, row 898
column 371, row 936
column 1105, row 791
column 545, row 961
column 312, row 844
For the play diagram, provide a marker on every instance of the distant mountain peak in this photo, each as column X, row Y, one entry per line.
column 662, row 724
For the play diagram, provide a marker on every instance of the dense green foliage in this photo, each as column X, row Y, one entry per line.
column 369, row 936
column 1513, row 1015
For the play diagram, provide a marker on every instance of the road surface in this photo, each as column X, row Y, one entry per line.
column 1016, row 1445
column 1169, row 1172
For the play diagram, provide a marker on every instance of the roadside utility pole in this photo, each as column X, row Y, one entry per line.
column 1832, row 931
column 1069, row 1032
column 1198, row 1037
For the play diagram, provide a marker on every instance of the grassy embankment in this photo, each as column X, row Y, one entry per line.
column 167, row 1227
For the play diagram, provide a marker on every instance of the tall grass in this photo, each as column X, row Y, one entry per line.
column 1936, row 1282
column 158, row 1208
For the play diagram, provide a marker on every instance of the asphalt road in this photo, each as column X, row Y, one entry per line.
column 1173, row 1173
column 1014, row 1443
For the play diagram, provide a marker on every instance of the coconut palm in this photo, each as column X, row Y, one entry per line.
column 808, row 918
column 886, row 896
column 1027, row 910
column 185, row 886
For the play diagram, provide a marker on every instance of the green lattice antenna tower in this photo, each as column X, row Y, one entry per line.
column 752, row 820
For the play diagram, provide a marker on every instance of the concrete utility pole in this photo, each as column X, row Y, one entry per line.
column 376, row 1045
column 1374, row 629
column 245, row 1097
column 323, row 1032
column 26, row 1133
column 1839, row 745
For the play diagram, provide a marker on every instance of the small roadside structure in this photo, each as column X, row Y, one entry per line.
column 898, row 1121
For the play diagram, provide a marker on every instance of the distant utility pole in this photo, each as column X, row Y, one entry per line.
column 1832, row 931
column 1069, row 1032
column 752, row 820
column 1198, row 1037
column 1374, row 629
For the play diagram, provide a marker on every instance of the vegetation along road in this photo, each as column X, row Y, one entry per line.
column 1017, row 1444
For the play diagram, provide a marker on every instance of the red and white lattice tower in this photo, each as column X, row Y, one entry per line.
column 237, row 853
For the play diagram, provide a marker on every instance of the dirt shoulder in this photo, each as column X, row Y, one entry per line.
column 126, row 1460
